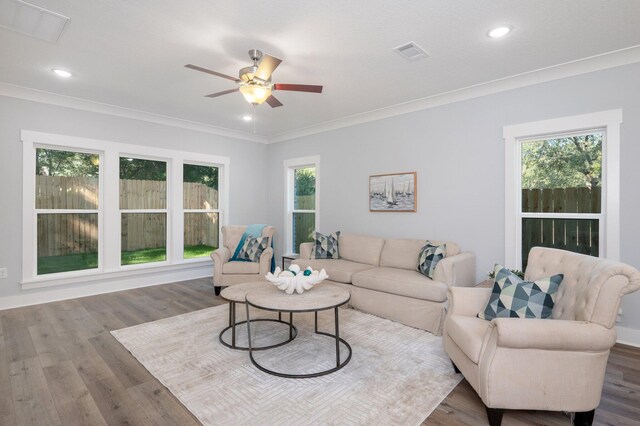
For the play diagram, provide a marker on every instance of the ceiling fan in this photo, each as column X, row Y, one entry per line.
column 255, row 81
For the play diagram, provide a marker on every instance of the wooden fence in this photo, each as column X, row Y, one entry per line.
column 303, row 223
column 577, row 235
column 61, row 234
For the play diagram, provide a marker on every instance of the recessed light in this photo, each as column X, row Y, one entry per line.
column 247, row 117
column 62, row 73
column 499, row 31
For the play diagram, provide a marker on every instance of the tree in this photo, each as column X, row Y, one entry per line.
column 570, row 162
column 206, row 175
column 305, row 181
column 53, row 162
column 134, row 168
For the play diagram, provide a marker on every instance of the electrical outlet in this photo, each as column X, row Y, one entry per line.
column 3, row 273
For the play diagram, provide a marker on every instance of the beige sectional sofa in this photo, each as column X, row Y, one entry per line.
column 382, row 277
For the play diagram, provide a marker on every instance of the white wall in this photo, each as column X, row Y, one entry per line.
column 456, row 149
column 248, row 197
column 458, row 152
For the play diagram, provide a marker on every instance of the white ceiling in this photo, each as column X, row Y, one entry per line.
column 131, row 53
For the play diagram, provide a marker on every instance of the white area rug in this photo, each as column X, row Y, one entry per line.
column 397, row 374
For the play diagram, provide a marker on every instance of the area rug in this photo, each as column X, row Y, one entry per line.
column 397, row 374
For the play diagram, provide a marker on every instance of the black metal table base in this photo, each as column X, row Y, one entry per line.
column 293, row 331
column 335, row 336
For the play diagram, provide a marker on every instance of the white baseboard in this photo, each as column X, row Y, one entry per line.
column 36, row 297
column 628, row 336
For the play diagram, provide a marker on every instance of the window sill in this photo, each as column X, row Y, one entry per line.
column 42, row 282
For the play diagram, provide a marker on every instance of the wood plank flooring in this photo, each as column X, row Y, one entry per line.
column 59, row 365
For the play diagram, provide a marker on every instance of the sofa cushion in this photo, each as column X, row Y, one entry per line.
column 513, row 297
column 240, row 267
column 403, row 253
column 429, row 257
column 325, row 246
column 339, row 270
column 401, row 282
column 361, row 249
column 468, row 333
column 252, row 249
column 232, row 236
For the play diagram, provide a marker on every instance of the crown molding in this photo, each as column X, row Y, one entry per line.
column 568, row 69
column 41, row 96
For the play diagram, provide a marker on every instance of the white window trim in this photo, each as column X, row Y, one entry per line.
column 289, row 166
column 219, row 210
column 109, row 220
column 514, row 135
column 169, row 218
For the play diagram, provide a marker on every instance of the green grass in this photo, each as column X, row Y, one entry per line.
column 69, row 262
column 136, row 257
column 78, row 262
column 201, row 250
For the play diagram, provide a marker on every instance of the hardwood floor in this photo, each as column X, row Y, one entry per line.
column 59, row 365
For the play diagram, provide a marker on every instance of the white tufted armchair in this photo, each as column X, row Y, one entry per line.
column 555, row 364
column 226, row 272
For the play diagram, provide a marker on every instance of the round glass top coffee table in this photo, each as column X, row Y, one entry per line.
column 320, row 298
column 237, row 294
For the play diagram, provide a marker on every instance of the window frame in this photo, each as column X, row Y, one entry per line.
column 290, row 166
column 109, row 217
column 607, row 122
column 166, row 210
column 36, row 211
column 218, row 210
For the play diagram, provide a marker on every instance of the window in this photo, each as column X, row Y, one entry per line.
column 91, row 215
column 201, row 210
column 67, row 200
column 562, row 180
column 561, row 183
column 143, row 211
column 301, row 201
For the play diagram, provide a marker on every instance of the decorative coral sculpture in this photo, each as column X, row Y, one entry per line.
column 293, row 279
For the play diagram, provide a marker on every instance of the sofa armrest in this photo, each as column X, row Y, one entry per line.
column 220, row 257
column 458, row 270
column 550, row 334
column 265, row 261
column 467, row 301
column 305, row 250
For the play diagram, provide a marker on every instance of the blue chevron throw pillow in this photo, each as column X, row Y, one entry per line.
column 512, row 297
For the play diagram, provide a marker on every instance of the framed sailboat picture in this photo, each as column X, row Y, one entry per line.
column 395, row 192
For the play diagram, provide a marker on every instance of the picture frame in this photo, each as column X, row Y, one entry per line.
column 393, row 192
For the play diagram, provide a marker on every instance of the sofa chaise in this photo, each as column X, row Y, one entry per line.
column 383, row 279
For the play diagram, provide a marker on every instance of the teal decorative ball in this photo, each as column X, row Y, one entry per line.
column 307, row 272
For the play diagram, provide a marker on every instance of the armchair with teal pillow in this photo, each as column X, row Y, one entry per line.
column 231, row 266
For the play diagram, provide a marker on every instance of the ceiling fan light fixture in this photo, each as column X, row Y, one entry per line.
column 255, row 93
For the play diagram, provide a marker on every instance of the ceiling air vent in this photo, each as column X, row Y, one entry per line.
column 32, row 20
column 411, row 52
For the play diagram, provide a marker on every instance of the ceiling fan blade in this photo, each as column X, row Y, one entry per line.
column 298, row 87
column 267, row 65
column 273, row 102
column 226, row 92
column 197, row 68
